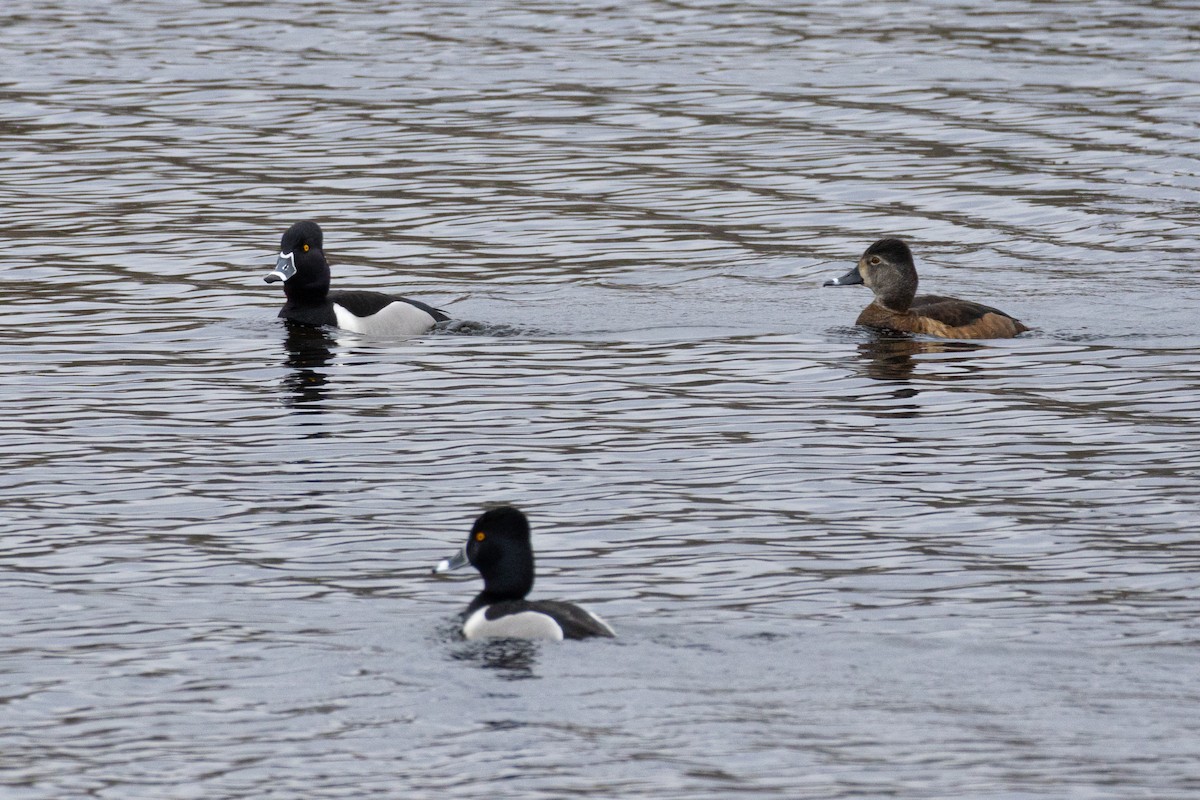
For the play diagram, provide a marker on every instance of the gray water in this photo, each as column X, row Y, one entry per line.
column 839, row 565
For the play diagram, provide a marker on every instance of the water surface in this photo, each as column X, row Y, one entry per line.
column 840, row 566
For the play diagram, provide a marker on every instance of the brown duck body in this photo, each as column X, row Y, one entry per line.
column 949, row 317
column 887, row 269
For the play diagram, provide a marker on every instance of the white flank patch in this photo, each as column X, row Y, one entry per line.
column 395, row 319
column 523, row 625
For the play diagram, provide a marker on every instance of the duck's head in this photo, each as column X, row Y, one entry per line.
column 301, row 265
column 499, row 547
column 887, row 269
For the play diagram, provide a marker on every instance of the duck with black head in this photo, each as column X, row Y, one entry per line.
column 887, row 269
column 499, row 547
column 304, row 272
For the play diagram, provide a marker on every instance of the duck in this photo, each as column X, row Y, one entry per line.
column 499, row 547
column 304, row 272
column 887, row 269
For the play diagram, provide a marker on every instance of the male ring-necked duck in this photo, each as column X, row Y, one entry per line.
column 498, row 546
column 305, row 274
column 887, row 269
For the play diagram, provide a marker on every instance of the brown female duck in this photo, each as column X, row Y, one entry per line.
column 887, row 269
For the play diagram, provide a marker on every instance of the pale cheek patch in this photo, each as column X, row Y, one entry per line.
column 523, row 625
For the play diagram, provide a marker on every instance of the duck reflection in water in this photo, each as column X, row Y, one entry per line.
column 893, row 357
column 513, row 659
column 308, row 353
column 893, row 360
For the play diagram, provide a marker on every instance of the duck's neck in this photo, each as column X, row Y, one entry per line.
column 897, row 290
column 486, row 598
column 895, row 304
column 511, row 583
column 309, row 292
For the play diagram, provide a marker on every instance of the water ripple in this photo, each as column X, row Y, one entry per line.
column 840, row 565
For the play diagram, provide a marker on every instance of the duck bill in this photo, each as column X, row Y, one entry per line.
column 455, row 561
column 285, row 267
column 849, row 279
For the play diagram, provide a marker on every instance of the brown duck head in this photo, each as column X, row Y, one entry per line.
column 887, row 269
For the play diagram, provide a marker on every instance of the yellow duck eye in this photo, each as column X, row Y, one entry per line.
column 306, row 248
column 480, row 536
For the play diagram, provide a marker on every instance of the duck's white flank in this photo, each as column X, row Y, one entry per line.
column 395, row 319
column 522, row 625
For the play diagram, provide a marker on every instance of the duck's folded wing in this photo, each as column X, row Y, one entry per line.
column 576, row 622
column 954, row 317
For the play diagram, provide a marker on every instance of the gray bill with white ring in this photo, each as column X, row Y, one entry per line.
column 455, row 561
column 285, row 267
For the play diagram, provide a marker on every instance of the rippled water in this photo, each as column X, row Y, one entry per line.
column 840, row 566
